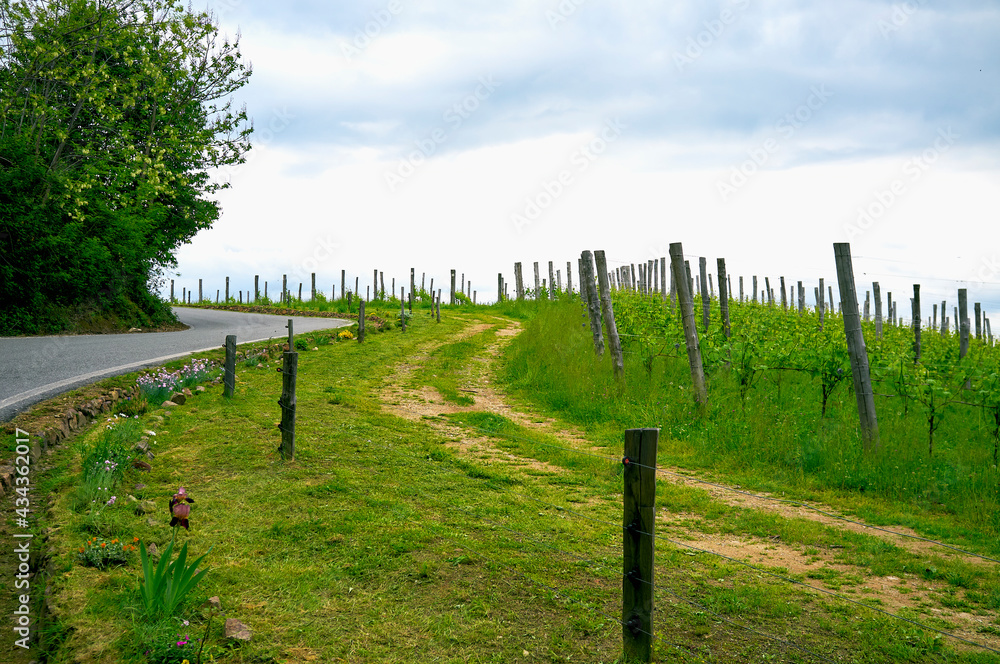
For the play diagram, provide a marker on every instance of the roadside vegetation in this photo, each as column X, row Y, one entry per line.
column 456, row 497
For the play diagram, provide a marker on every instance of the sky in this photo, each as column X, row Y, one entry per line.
column 469, row 135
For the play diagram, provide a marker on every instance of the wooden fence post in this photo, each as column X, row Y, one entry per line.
column 724, row 295
column 256, row 288
column 916, row 323
column 604, row 287
column 361, row 321
column 963, row 322
column 229, row 378
column 518, row 282
column 300, row 291
column 822, row 303
column 312, row 297
column 227, row 289
column 706, row 301
column 171, row 291
column 343, row 283
column 593, row 303
column 878, row 309
column 289, row 370
column 499, row 287
column 802, row 298
column 979, row 320
column 439, row 306
column 199, row 291
column 216, row 295
column 451, row 299
column 569, row 278
column 639, row 524
column 552, row 282
column 690, row 329
column 856, row 347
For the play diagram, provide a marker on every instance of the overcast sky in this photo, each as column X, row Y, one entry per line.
column 470, row 135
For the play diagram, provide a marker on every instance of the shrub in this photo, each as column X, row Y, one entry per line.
column 100, row 553
column 344, row 335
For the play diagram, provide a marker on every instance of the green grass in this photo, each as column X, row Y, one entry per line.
column 393, row 540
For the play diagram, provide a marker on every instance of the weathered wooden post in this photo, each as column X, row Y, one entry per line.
column 361, row 321
column 802, row 299
column 878, row 309
column 312, row 296
column 343, row 283
column 256, row 288
column 171, row 291
column 227, row 289
column 184, row 297
column 979, row 320
column 552, row 282
column 639, row 524
column 300, row 291
column 916, row 322
column 724, row 295
column 604, row 286
column 690, row 329
column 822, row 303
column 229, row 377
column 451, row 299
column 402, row 307
column 439, row 306
column 593, row 303
column 518, row 282
column 784, row 297
column 199, row 292
column 289, row 370
column 538, row 283
column 569, row 278
column 856, row 347
column 706, row 301
column 963, row 322
column 499, row 286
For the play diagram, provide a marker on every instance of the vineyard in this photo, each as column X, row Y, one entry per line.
column 781, row 403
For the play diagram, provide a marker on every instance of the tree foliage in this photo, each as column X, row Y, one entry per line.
column 112, row 116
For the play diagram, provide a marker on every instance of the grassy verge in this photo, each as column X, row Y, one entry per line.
column 485, row 535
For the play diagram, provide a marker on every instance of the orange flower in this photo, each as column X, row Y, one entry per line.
column 81, row 549
column 135, row 539
column 114, row 541
column 103, row 544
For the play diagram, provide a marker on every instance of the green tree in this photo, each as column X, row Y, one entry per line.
column 112, row 115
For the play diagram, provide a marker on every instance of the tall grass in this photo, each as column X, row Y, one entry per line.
column 774, row 438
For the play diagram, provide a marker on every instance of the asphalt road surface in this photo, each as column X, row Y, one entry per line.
column 33, row 369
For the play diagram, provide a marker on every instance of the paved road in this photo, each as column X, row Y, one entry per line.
column 33, row 369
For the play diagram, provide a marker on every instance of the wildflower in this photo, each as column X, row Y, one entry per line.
column 112, row 502
column 178, row 510
column 103, row 544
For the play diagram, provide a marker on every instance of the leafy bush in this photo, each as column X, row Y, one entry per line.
column 300, row 344
column 101, row 553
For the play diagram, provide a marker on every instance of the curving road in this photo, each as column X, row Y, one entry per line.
column 33, row 369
